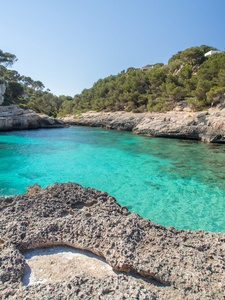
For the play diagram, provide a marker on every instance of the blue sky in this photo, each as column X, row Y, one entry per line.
column 70, row 44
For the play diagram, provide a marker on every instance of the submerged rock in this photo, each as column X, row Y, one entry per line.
column 13, row 117
column 182, row 264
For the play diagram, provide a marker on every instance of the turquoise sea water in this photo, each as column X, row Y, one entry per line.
column 173, row 182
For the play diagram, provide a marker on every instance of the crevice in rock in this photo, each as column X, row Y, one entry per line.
column 144, row 275
column 80, row 205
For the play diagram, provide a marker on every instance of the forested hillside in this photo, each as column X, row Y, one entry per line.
column 25, row 92
column 189, row 75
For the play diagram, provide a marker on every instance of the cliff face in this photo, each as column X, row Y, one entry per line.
column 15, row 118
column 207, row 126
column 184, row 264
column 2, row 91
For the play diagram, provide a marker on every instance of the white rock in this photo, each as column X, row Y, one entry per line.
column 2, row 91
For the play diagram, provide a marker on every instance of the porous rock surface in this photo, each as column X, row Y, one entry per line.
column 13, row 117
column 207, row 126
column 110, row 288
column 189, row 265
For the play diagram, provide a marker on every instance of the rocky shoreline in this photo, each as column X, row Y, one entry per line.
column 170, row 263
column 13, row 117
column 206, row 126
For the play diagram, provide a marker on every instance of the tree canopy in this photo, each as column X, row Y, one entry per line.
column 6, row 58
column 189, row 75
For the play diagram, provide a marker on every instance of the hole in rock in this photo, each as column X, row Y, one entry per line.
column 8, row 199
column 64, row 214
column 58, row 263
column 3, row 209
column 78, row 205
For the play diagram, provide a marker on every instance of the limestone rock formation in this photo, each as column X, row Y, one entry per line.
column 208, row 126
column 13, row 117
column 2, row 91
column 108, row 288
column 182, row 264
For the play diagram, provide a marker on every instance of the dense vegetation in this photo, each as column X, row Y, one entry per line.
column 189, row 76
column 26, row 92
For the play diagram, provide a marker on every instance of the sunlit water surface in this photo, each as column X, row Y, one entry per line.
column 176, row 183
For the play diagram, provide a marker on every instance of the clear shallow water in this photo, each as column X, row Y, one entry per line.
column 176, row 183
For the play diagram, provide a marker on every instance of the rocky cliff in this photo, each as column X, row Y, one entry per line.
column 168, row 263
column 208, row 126
column 2, row 91
column 14, row 118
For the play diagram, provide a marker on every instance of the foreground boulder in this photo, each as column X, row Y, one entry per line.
column 182, row 264
column 13, row 117
column 207, row 126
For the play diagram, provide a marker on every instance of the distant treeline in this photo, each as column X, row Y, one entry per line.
column 189, row 75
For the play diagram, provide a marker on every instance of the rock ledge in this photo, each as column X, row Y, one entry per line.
column 13, row 117
column 183, row 264
column 207, row 126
